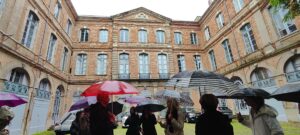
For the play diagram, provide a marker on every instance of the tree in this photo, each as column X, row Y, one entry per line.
column 293, row 7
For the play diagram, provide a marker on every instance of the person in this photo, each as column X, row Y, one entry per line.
column 212, row 119
column 148, row 123
column 134, row 123
column 174, row 119
column 102, row 122
column 75, row 126
column 5, row 118
column 262, row 118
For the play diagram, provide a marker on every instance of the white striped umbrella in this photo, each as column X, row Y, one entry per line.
column 210, row 82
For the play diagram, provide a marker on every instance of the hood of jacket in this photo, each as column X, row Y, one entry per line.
column 266, row 110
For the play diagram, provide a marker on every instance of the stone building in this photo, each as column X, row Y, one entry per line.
column 49, row 54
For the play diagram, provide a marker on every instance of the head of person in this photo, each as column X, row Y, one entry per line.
column 103, row 99
column 255, row 102
column 209, row 102
column 172, row 103
column 78, row 115
column 132, row 111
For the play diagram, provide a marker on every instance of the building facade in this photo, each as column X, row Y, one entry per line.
column 49, row 54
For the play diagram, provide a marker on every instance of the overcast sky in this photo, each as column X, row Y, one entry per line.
column 175, row 9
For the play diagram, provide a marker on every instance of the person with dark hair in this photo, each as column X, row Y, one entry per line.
column 102, row 122
column 174, row 119
column 148, row 123
column 134, row 123
column 75, row 126
column 212, row 119
column 262, row 119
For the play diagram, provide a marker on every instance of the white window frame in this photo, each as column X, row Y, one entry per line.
column 143, row 36
column 84, row 34
column 212, row 58
column 194, row 39
column 227, row 50
column 220, row 20
column 81, row 64
column 198, row 63
column 103, row 36
column 181, row 63
column 162, row 61
column 238, row 5
column 143, row 63
column 207, row 33
column 64, row 59
column 51, row 48
column 101, row 64
column 30, row 30
column 124, row 35
column 178, row 38
column 124, row 63
column 57, row 9
column 160, row 36
column 283, row 28
column 250, row 43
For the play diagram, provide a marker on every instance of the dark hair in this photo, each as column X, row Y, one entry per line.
column 78, row 116
column 133, row 110
column 258, row 100
column 209, row 102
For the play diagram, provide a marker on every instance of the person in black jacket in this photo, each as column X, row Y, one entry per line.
column 148, row 123
column 101, row 120
column 134, row 123
column 212, row 119
column 75, row 126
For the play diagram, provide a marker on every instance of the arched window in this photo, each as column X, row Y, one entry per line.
column 124, row 35
column 292, row 69
column 163, row 66
column 57, row 103
column 44, row 89
column 181, row 63
column 84, row 35
column 30, row 29
column 160, row 36
column 81, row 64
column 18, row 82
column 261, row 78
column 143, row 36
column 249, row 40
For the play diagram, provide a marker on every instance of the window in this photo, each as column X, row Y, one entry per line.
column 2, row 5
column 194, row 39
column 81, row 64
column 178, row 38
column 44, row 85
column 220, row 20
column 144, row 63
column 69, row 27
column 124, row 35
column 84, row 35
column 212, row 60
column 57, row 10
column 30, row 29
column 197, row 60
column 57, row 101
column 238, row 5
column 143, row 36
column 162, row 64
column 101, row 64
column 103, row 36
column 18, row 76
column 228, row 52
column 249, row 39
column 160, row 36
column 124, row 64
column 284, row 28
column 181, row 63
column 51, row 48
column 64, row 59
column 207, row 33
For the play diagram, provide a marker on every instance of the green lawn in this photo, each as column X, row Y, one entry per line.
column 189, row 129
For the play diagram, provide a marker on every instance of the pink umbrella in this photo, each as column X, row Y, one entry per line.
column 110, row 88
column 136, row 99
column 11, row 100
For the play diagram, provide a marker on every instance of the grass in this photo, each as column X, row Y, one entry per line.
column 289, row 128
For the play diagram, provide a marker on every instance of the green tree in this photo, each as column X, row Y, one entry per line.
column 293, row 7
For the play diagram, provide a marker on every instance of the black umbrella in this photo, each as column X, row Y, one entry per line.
column 150, row 105
column 247, row 92
column 289, row 92
column 209, row 81
column 115, row 107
